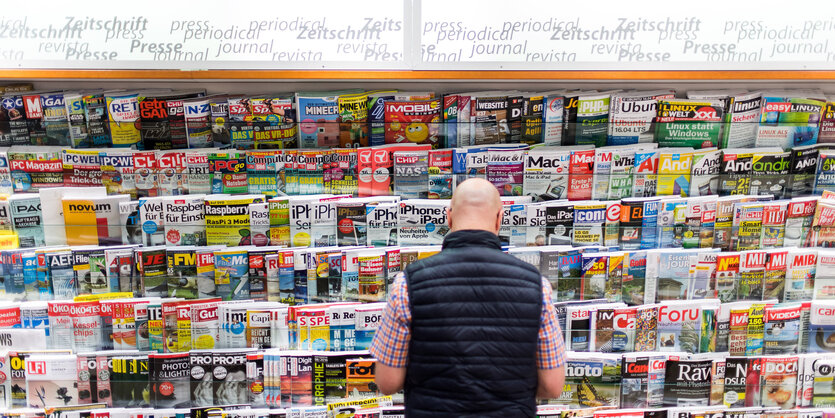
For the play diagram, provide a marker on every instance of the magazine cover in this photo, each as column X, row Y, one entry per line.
column 197, row 117
column 552, row 118
column 441, row 181
column 96, row 118
column 776, row 263
column 679, row 326
column 55, row 122
column 323, row 223
column 594, row 275
column 589, row 220
column 227, row 219
column 620, row 181
column 592, row 380
column 631, row 116
column 804, row 161
column 822, row 327
column 413, row 121
column 735, row 174
column 51, row 380
column 546, row 174
column 59, row 265
column 182, row 273
column 770, row 173
column 151, row 220
column 559, row 224
column 411, row 174
column 687, row 382
column 634, row 379
column 152, row 266
column 581, row 174
column 800, row 275
column 674, row 168
column 602, row 170
column 592, row 119
column 667, row 275
column 751, row 275
column 645, row 177
column 228, row 172
column 123, row 115
column 823, row 394
column 172, row 173
column 704, row 180
column 353, row 119
column 197, row 172
column 615, row 330
column 782, row 329
column 170, row 380
column 422, row 222
column 117, row 172
column 505, row 169
column 232, row 274
column 14, row 129
column 35, row 168
column 671, row 220
column 27, row 221
column 702, row 275
column 146, row 174
column 788, row 122
column 747, row 227
column 827, row 131
column 318, row 116
column 773, row 224
column 741, row 121
column 82, row 168
column 688, row 123
column 778, row 381
column 93, row 221
column 184, row 222
column 635, row 214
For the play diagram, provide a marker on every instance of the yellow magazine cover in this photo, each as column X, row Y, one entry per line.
column 8, row 240
column 353, row 113
column 93, row 221
column 123, row 112
column 674, row 173
column 227, row 219
column 80, row 222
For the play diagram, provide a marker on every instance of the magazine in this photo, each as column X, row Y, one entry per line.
column 631, row 116
column 688, row 123
column 788, row 122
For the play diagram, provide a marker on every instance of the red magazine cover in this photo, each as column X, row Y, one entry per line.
column 415, row 122
column 580, row 175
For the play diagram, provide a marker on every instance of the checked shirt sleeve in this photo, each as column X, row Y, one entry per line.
column 391, row 341
column 551, row 349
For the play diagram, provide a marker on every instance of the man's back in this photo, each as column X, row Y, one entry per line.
column 470, row 331
column 475, row 322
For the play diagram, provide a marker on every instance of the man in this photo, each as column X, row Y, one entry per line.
column 470, row 331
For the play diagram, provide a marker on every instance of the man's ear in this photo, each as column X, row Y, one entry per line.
column 449, row 216
column 499, row 220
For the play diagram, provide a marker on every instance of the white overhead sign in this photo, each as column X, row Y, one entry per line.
column 204, row 34
column 420, row 35
column 626, row 35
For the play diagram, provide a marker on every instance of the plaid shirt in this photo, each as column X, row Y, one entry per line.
column 391, row 341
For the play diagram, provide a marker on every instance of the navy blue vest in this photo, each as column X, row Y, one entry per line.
column 475, row 325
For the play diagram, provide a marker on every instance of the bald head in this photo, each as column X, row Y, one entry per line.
column 475, row 205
